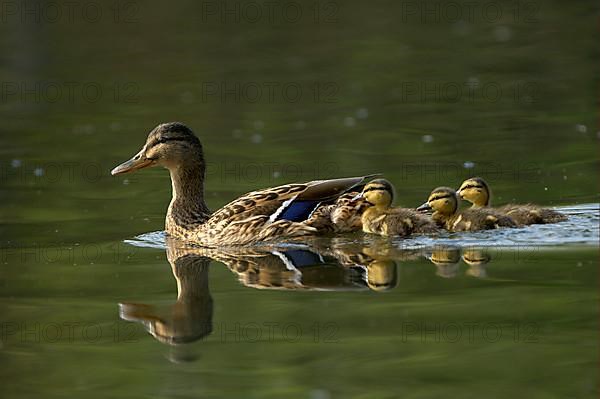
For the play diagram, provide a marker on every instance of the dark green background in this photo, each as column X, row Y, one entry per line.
column 536, row 141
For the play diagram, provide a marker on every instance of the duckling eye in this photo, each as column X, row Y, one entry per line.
column 136, row 157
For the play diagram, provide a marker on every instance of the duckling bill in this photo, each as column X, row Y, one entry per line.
column 444, row 203
column 383, row 219
column 477, row 192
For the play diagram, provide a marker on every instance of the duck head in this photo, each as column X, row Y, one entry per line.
column 378, row 192
column 442, row 200
column 172, row 145
column 476, row 191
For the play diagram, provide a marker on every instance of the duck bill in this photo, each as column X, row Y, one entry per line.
column 459, row 194
column 424, row 208
column 139, row 161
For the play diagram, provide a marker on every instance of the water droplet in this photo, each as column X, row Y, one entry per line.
column 468, row 165
column 349, row 121
column 581, row 128
column 126, row 182
column 545, row 188
column 38, row 172
column 362, row 113
column 565, row 177
column 256, row 138
column 427, row 138
column 502, row 33
column 276, row 174
column 15, row 163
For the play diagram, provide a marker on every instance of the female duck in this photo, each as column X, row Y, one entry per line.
column 380, row 218
column 476, row 191
column 278, row 212
column 444, row 203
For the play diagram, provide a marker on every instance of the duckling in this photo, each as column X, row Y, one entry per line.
column 263, row 215
column 380, row 218
column 444, row 203
column 476, row 191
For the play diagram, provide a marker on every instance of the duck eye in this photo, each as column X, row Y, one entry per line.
column 136, row 157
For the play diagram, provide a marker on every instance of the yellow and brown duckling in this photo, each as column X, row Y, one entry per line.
column 383, row 219
column 477, row 191
column 444, row 203
column 272, row 213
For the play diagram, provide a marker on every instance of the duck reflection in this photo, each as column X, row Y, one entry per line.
column 190, row 317
column 337, row 266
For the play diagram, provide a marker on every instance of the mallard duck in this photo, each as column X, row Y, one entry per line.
column 272, row 213
column 444, row 203
column 476, row 191
column 381, row 218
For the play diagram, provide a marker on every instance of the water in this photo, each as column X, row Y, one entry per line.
column 96, row 303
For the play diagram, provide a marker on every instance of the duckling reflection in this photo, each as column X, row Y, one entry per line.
column 446, row 260
column 190, row 318
column 477, row 259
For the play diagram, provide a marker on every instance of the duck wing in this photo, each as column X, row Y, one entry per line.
column 292, row 202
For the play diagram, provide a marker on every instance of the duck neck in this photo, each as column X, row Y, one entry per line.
column 187, row 207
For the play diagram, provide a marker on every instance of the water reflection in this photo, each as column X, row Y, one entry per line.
column 332, row 267
column 190, row 317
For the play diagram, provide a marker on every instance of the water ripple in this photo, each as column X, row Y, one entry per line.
column 582, row 228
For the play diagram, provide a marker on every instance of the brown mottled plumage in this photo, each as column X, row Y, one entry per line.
column 477, row 191
column 249, row 219
column 380, row 218
column 444, row 202
column 342, row 216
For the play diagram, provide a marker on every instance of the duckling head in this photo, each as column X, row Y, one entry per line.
column 379, row 192
column 442, row 200
column 172, row 145
column 476, row 191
